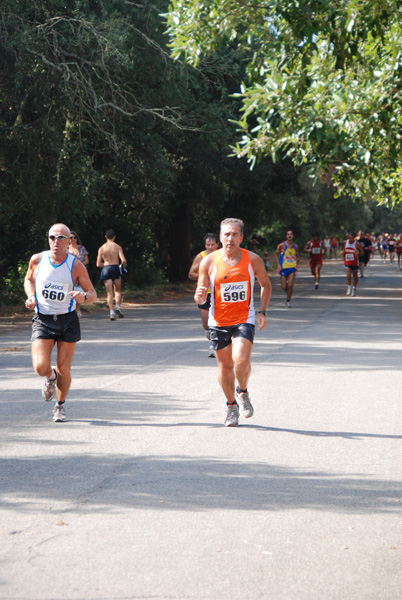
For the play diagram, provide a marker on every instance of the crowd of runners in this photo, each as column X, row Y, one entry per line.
column 57, row 283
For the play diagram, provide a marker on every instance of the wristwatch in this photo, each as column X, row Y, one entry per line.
column 262, row 312
column 85, row 296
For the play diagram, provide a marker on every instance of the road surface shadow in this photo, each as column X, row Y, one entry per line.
column 117, row 482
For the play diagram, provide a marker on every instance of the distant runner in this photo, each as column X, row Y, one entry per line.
column 287, row 258
column 316, row 249
column 111, row 260
column 367, row 247
column 351, row 250
column 398, row 248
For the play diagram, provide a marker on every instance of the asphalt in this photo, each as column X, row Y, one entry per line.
column 144, row 494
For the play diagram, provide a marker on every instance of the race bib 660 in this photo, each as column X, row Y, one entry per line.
column 234, row 292
column 55, row 291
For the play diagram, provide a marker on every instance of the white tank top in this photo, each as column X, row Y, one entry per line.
column 52, row 284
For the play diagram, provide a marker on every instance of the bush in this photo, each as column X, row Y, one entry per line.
column 12, row 285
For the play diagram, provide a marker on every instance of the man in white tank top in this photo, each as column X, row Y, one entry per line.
column 50, row 284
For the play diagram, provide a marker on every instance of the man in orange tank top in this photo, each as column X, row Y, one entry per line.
column 230, row 273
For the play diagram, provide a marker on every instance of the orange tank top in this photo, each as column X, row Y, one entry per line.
column 232, row 296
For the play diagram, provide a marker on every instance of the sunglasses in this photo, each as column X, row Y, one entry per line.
column 72, row 237
column 58, row 237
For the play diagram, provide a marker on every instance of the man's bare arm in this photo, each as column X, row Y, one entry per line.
column 122, row 257
column 278, row 252
column 201, row 291
column 195, row 267
column 266, row 288
column 80, row 274
column 99, row 259
column 29, row 282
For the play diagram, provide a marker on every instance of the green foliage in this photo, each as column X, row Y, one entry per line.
column 101, row 128
column 322, row 88
column 12, row 285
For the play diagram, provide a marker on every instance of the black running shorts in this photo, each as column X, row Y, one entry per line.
column 60, row 328
column 110, row 272
column 222, row 336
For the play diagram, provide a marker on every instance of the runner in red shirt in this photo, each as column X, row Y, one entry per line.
column 315, row 247
column 398, row 247
column 334, row 246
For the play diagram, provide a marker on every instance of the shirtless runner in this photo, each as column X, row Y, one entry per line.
column 111, row 259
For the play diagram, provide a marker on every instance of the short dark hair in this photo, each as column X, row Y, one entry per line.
column 110, row 234
column 211, row 236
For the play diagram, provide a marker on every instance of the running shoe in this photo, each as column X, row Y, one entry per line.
column 49, row 388
column 288, row 304
column 349, row 290
column 232, row 415
column 112, row 316
column 316, row 286
column 353, row 291
column 59, row 413
column 243, row 399
column 119, row 313
column 211, row 353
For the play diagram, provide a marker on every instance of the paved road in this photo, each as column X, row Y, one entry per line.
column 144, row 494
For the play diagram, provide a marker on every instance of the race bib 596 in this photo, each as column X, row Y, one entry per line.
column 234, row 292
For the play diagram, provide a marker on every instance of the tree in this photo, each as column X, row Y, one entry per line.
column 323, row 86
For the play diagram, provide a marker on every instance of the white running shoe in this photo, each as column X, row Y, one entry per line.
column 243, row 399
column 288, row 303
column 59, row 413
column 49, row 388
column 354, row 291
column 211, row 352
column 349, row 290
column 112, row 315
column 232, row 415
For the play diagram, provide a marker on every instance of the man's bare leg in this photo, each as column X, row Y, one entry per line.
column 241, row 352
column 65, row 353
column 226, row 376
column 109, row 293
column 41, row 357
column 117, row 291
